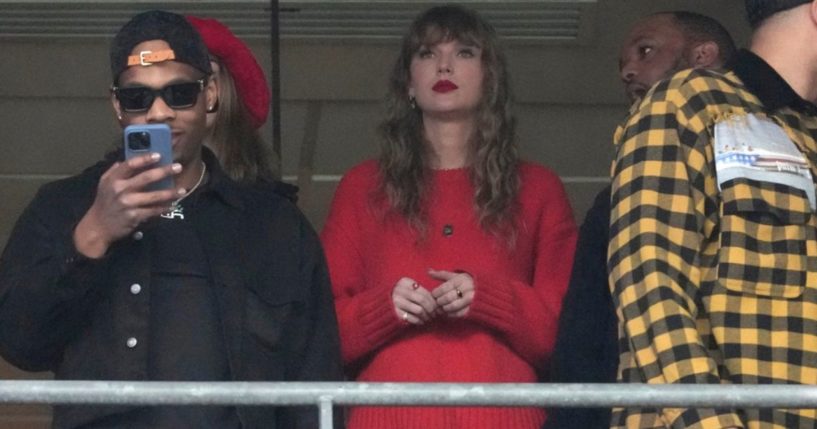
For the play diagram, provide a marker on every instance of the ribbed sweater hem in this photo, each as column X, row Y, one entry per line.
column 445, row 418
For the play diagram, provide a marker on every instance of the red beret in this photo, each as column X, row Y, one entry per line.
column 238, row 59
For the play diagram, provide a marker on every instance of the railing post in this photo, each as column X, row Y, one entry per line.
column 325, row 404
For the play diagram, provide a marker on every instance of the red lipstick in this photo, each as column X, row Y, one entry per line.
column 444, row 86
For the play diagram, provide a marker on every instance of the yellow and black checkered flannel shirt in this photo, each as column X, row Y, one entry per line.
column 712, row 286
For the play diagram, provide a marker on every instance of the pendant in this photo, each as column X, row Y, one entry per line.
column 176, row 212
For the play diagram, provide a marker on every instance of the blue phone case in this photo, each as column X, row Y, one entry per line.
column 144, row 139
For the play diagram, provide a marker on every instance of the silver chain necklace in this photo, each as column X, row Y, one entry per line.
column 176, row 210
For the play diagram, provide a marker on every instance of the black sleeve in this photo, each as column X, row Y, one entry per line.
column 586, row 349
column 45, row 285
column 320, row 358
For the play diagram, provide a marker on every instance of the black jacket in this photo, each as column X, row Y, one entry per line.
column 586, row 349
column 64, row 313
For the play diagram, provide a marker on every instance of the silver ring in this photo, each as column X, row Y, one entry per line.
column 459, row 294
column 405, row 316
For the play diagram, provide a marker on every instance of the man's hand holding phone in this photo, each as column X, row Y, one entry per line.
column 127, row 196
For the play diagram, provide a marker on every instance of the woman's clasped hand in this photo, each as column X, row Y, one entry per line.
column 415, row 304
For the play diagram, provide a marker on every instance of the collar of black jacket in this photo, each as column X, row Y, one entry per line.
column 772, row 90
column 218, row 182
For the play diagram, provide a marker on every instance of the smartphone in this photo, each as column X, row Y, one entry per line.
column 144, row 139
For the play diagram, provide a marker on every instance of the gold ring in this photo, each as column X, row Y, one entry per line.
column 405, row 316
column 459, row 294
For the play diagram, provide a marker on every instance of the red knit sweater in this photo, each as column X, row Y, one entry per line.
column 510, row 328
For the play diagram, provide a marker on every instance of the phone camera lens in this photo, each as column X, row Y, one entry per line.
column 139, row 140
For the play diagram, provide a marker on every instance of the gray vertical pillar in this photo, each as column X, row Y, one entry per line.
column 275, row 83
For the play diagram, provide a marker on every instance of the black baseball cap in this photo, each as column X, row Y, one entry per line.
column 185, row 43
column 758, row 10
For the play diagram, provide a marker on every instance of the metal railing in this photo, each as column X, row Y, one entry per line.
column 326, row 395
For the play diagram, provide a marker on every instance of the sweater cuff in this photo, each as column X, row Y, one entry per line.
column 377, row 318
column 493, row 303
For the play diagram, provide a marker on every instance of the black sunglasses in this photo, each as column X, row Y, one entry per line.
column 176, row 96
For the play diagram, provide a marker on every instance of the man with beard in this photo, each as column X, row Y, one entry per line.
column 587, row 349
column 713, row 238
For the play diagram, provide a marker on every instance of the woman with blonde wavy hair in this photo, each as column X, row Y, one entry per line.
column 448, row 256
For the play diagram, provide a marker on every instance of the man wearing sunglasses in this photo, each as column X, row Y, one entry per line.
column 102, row 280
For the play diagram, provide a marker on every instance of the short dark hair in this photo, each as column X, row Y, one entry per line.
column 759, row 10
column 699, row 28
